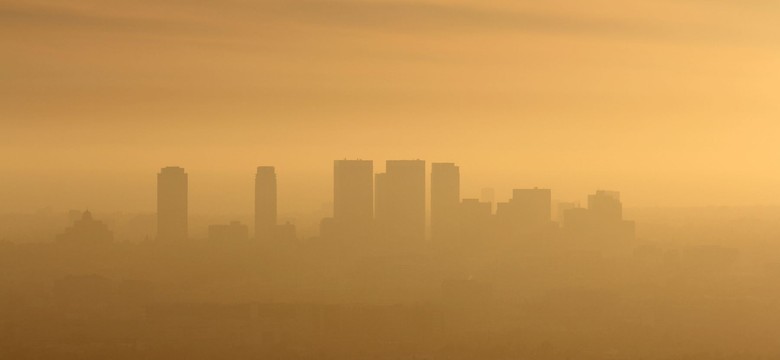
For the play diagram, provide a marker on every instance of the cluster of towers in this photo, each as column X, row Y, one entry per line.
column 172, row 208
column 389, row 204
column 392, row 206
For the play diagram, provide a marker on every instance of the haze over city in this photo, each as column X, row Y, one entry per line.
column 389, row 179
column 670, row 101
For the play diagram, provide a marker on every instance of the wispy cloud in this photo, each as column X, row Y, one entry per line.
column 59, row 17
column 236, row 16
column 384, row 15
column 417, row 15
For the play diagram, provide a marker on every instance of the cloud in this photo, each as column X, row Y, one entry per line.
column 383, row 15
column 239, row 18
column 403, row 15
column 624, row 22
column 69, row 17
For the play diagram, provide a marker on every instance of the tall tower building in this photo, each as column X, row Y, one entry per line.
column 445, row 200
column 172, row 188
column 353, row 192
column 606, row 205
column 533, row 207
column 602, row 221
column 380, row 197
column 488, row 195
column 265, row 203
column 401, row 200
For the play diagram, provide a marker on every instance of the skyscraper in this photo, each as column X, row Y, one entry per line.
column 265, row 203
column 380, row 197
column 474, row 221
column 353, row 201
column 401, row 200
column 602, row 222
column 606, row 206
column 488, row 195
column 445, row 200
column 353, row 191
column 528, row 212
column 172, row 187
column 533, row 207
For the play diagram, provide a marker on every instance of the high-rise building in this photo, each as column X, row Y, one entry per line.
column 488, row 195
column 172, row 188
column 380, row 197
column 445, row 200
column 605, row 206
column 562, row 208
column 533, row 207
column 233, row 232
column 601, row 222
column 353, row 200
column 353, row 191
column 265, row 203
column 528, row 213
column 401, row 200
column 577, row 221
column 475, row 220
column 87, row 231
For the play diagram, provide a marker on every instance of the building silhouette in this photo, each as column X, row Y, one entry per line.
column 353, row 198
column 235, row 232
column 172, row 213
column 265, row 203
column 605, row 206
column 533, row 207
column 400, row 200
column 286, row 232
column 445, row 200
column 488, row 195
column 601, row 222
column 527, row 214
column 577, row 220
column 86, row 231
column 561, row 209
column 381, row 202
column 606, row 213
column 475, row 221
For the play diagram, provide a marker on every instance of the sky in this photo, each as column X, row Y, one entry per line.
column 671, row 102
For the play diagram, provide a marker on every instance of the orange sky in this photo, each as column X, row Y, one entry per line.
column 672, row 102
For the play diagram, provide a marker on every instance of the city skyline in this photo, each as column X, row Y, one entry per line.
column 402, row 205
column 574, row 95
column 290, row 205
column 389, row 179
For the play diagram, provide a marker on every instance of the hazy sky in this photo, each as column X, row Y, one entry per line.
column 672, row 102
